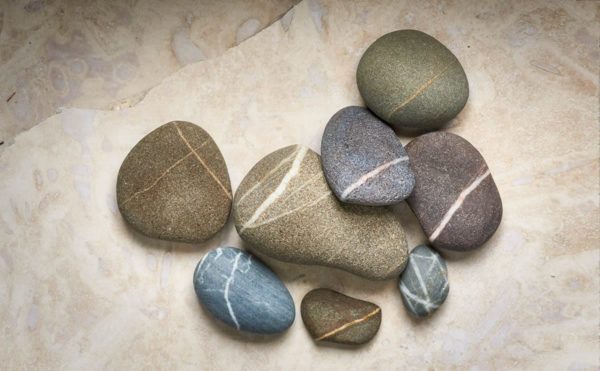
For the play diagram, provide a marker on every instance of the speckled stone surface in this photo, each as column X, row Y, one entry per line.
column 411, row 80
column 174, row 184
column 284, row 209
column 424, row 283
column 363, row 159
column 80, row 290
column 334, row 317
column 455, row 197
column 239, row 290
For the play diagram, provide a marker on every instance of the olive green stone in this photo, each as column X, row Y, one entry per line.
column 331, row 316
column 285, row 209
column 174, row 184
column 412, row 81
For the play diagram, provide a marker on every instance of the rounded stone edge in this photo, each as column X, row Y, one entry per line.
column 135, row 225
column 292, row 318
column 378, row 316
column 388, row 117
column 446, row 291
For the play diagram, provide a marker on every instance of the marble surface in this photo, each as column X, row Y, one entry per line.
column 80, row 290
column 103, row 54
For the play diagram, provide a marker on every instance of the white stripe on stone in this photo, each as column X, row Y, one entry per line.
column 422, row 283
column 219, row 252
column 272, row 219
column 428, row 305
column 269, row 174
column 457, row 204
column 373, row 173
column 294, row 169
column 226, row 291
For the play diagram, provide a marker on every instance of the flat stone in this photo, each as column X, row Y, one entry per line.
column 424, row 283
column 284, row 209
column 412, row 81
column 363, row 159
column 239, row 290
column 455, row 198
column 174, row 184
column 334, row 317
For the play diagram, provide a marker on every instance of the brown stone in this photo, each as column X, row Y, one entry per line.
column 332, row 316
column 455, row 197
column 174, row 184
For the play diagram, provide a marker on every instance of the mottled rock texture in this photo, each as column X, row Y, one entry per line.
column 363, row 159
column 412, row 81
column 424, row 283
column 331, row 316
column 455, row 197
column 242, row 292
column 284, row 209
column 174, row 184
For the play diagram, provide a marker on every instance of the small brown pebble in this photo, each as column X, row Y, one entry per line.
column 331, row 316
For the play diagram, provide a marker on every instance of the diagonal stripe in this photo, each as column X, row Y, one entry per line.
column 420, row 90
column 301, row 207
column 269, row 174
column 225, row 190
column 294, row 169
column 457, row 204
column 373, row 173
column 349, row 324
column 162, row 175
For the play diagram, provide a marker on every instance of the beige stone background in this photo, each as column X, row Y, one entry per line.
column 80, row 290
column 105, row 54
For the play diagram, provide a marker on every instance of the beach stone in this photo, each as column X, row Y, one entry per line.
column 284, row 209
column 412, row 81
column 455, row 198
column 239, row 290
column 174, row 184
column 424, row 283
column 363, row 159
column 334, row 317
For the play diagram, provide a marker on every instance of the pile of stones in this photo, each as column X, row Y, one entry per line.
column 330, row 210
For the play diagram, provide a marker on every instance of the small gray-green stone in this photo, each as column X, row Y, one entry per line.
column 412, row 81
column 424, row 282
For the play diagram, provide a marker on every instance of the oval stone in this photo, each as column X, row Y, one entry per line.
column 455, row 198
column 284, row 209
column 363, row 159
column 242, row 292
column 332, row 316
column 412, row 81
column 424, row 283
column 174, row 185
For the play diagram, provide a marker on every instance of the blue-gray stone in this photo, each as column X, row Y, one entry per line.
column 363, row 159
column 239, row 290
column 424, row 283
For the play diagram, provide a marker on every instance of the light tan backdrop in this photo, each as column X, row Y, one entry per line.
column 79, row 290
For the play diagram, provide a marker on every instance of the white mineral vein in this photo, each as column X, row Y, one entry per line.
column 269, row 174
column 272, row 219
column 428, row 305
column 294, row 169
column 226, row 291
column 373, row 173
column 457, row 204
column 201, row 266
column 421, row 282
